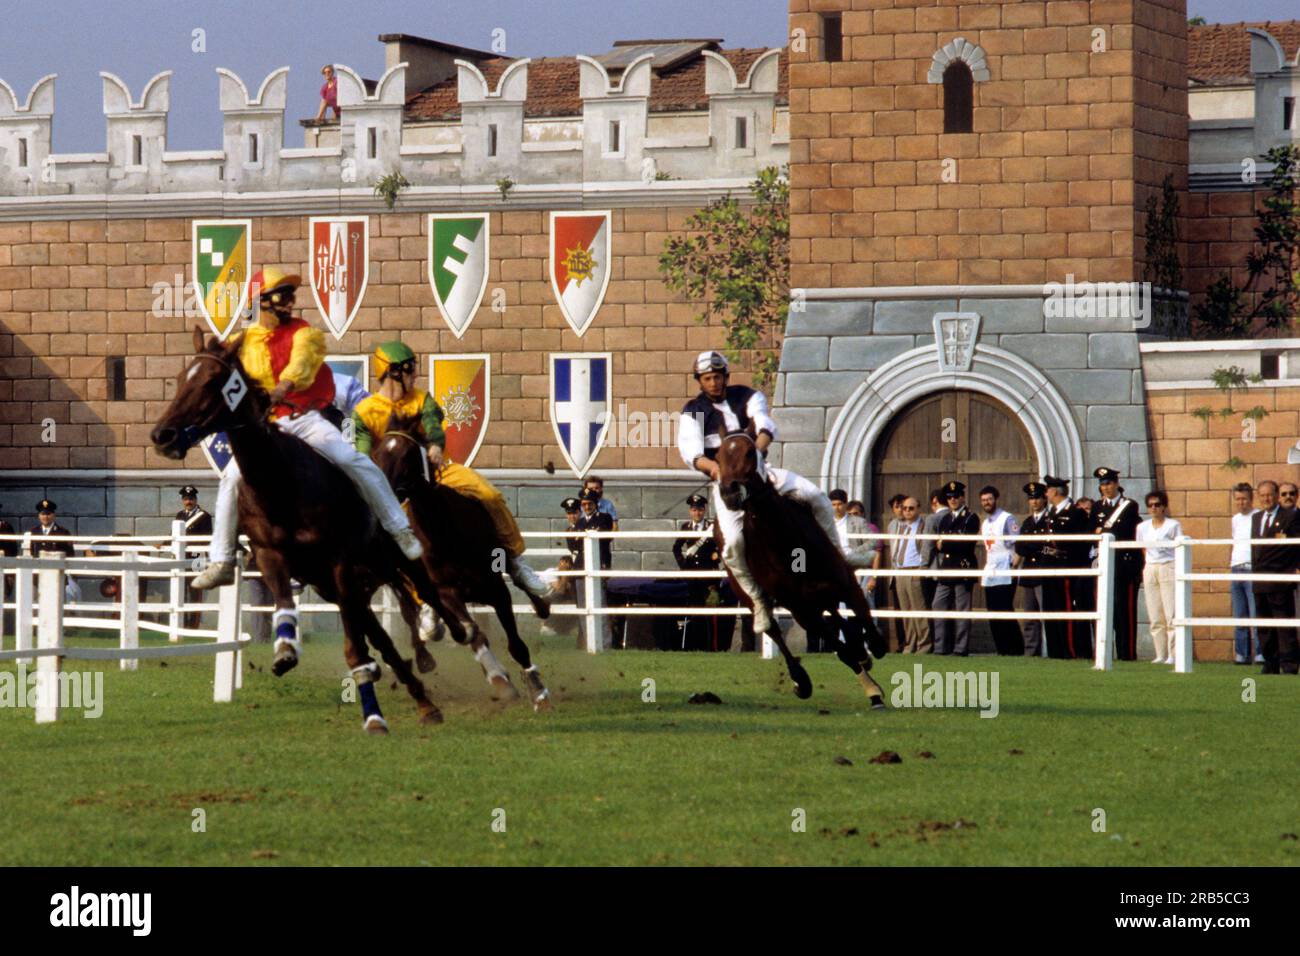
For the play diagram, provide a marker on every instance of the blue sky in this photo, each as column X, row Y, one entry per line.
column 78, row 38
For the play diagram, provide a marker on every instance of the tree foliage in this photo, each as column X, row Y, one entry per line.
column 735, row 263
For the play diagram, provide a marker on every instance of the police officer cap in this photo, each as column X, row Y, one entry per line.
column 1035, row 489
column 1106, row 474
column 46, row 504
column 589, row 494
column 1061, row 483
column 839, row 494
column 189, row 491
column 954, row 489
column 697, row 501
column 569, row 504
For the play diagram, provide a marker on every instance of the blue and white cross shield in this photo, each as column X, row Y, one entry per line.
column 581, row 405
column 216, row 449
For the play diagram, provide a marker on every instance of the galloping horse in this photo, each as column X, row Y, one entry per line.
column 464, row 556
column 303, row 516
column 778, row 531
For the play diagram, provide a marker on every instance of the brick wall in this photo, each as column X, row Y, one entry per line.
column 1189, row 455
column 1219, row 229
column 1045, row 183
column 74, row 293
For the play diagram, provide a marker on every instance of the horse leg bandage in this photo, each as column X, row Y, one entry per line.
column 365, row 676
column 285, row 623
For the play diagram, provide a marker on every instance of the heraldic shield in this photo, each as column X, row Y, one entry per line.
column 219, row 257
column 581, row 405
column 339, row 267
column 580, row 264
column 462, row 385
column 458, row 266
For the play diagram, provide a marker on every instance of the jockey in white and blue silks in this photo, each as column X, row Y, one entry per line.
column 698, row 441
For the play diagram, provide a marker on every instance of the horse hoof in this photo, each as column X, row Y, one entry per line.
column 502, row 684
column 803, row 687
column 431, row 715
column 376, row 726
column 877, row 703
column 542, row 702
column 541, row 606
column 424, row 661
column 283, row 663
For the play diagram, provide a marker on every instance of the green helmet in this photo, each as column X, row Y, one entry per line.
column 389, row 354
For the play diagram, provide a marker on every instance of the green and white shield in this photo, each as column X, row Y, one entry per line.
column 220, row 261
column 458, row 266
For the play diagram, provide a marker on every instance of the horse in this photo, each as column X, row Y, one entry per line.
column 777, row 528
column 464, row 557
column 303, row 517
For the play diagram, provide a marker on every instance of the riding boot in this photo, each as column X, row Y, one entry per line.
column 527, row 580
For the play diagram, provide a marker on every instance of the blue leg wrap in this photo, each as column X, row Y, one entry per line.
column 369, row 702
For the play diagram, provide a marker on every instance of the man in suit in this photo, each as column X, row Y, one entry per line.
column 1113, row 513
column 1275, row 599
column 930, row 555
column 1029, row 554
column 698, row 554
column 47, row 535
column 895, row 525
column 956, row 552
column 906, row 554
column 1071, row 638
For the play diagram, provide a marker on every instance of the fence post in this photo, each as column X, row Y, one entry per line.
column 24, row 601
column 49, row 635
column 386, row 606
column 227, row 662
column 594, row 622
column 1183, row 606
column 4, row 574
column 130, row 623
column 1104, row 645
column 176, row 583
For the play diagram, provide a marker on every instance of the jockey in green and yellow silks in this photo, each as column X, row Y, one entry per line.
column 396, row 367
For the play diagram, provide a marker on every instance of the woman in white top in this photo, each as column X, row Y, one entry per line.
column 1158, row 576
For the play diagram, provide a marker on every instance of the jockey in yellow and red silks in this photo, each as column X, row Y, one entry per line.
column 396, row 366
column 285, row 356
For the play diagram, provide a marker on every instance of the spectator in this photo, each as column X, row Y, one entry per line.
column 1245, row 639
column 196, row 522
column 857, row 508
column 907, row 555
column 603, row 505
column 1000, row 587
column 849, row 527
column 1029, row 556
column 8, row 549
column 1275, row 599
column 572, row 514
column 930, row 555
column 592, row 519
column 1286, row 493
column 329, row 94
column 891, row 591
column 1159, row 532
column 560, row 590
column 957, row 553
column 1086, row 505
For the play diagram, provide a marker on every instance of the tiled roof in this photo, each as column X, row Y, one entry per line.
column 553, row 86
column 1220, row 52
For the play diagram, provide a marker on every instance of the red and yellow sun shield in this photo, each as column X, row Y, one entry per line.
column 462, row 385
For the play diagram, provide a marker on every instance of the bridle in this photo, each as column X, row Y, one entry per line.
column 424, row 459
column 744, row 485
column 234, row 392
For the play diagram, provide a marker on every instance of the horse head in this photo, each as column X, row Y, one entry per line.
column 400, row 454
column 738, row 475
column 213, row 394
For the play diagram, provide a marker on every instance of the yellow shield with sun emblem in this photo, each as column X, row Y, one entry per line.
column 462, row 385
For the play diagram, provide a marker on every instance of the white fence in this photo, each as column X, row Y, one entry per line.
column 136, row 562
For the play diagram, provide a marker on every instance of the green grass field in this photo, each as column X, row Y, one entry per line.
column 1186, row 772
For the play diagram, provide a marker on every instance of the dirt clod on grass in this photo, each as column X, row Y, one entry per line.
column 705, row 697
column 886, row 756
column 843, row 761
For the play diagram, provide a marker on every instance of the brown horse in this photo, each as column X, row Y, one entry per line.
column 462, row 552
column 303, row 516
column 797, row 566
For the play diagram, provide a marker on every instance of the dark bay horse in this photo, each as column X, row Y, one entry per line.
column 302, row 515
column 797, row 566
column 462, row 552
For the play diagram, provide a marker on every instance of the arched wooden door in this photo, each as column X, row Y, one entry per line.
column 960, row 435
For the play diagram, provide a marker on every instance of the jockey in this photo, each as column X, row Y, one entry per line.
column 396, row 366
column 284, row 356
column 698, row 440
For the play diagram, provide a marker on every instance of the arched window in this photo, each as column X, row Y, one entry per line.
column 958, row 98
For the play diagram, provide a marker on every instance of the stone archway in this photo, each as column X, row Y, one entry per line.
column 994, row 372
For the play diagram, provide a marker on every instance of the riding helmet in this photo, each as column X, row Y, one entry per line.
column 389, row 354
column 711, row 362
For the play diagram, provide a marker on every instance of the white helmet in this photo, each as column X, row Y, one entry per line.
column 711, row 362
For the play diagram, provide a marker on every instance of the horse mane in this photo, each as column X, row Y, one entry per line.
column 407, row 425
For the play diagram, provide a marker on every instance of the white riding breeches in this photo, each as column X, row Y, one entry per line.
column 325, row 439
column 785, row 482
